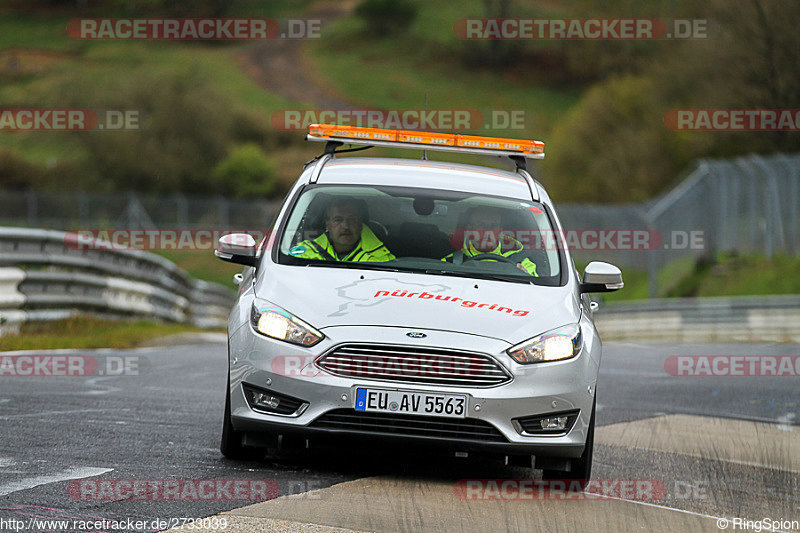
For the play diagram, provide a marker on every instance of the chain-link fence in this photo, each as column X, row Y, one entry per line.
column 128, row 211
column 748, row 204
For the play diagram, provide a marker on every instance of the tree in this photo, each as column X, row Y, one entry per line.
column 246, row 172
column 384, row 17
column 614, row 145
column 184, row 129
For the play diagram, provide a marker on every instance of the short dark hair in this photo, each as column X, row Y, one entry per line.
column 345, row 201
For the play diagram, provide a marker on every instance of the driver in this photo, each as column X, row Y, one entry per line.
column 483, row 235
column 346, row 237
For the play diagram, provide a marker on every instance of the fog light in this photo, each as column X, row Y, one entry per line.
column 265, row 401
column 556, row 422
column 272, row 402
column 546, row 424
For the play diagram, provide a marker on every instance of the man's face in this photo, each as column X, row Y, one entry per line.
column 343, row 227
column 484, row 229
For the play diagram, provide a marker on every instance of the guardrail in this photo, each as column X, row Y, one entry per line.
column 45, row 276
column 735, row 319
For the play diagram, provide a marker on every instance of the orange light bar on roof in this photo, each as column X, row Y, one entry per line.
column 424, row 137
column 495, row 143
column 405, row 138
column 352, row 132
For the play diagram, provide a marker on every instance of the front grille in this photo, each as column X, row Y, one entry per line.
column 410, row 425
column 414, row 364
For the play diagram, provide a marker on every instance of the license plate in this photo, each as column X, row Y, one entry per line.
column 411, row 403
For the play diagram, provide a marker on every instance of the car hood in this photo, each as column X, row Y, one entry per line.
column 328, row 297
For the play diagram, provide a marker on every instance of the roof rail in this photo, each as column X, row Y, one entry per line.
column 321, row 160
column 530, row 181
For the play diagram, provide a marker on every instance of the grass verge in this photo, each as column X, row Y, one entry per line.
column 204, row 265
column 86, row 332
column 727, row 275
column 732, row 275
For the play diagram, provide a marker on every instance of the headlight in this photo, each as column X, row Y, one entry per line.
column 273, row 321
column 554, row 345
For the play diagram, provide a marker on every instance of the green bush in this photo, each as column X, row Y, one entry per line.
column 246, row 172
column 15, row 173
column 614, row 147
column 185, row 129
column 383, row 17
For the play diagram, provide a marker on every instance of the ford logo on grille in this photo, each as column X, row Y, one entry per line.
column 416, row 334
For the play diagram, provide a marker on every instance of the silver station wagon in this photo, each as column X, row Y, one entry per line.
column 415, row 300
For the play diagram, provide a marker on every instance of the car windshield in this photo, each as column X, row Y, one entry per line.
column 422, row 230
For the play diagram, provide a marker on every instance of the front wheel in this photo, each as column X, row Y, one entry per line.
column 580, row 468
column 231, row 443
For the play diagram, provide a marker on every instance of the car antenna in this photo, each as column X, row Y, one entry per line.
column 425, row 152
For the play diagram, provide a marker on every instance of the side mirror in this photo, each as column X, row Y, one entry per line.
column 237, row 248
column 601, row 277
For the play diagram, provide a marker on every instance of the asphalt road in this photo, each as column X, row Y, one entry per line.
column 733, row 456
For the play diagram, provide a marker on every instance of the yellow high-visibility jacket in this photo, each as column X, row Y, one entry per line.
column 368, row 249
column 469, row 250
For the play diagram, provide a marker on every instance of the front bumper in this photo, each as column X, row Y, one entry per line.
column 534, row 390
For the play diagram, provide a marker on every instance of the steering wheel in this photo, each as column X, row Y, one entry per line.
column 495, row 257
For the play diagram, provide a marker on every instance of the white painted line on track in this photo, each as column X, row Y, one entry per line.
column 66, row 475
column 59, row 351
column 719, row 519
column 102, row 388
column 648, row 504
column 786, row 421
column 50, row 413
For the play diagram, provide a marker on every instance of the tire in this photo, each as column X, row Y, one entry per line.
column 231, row 442
column 581, row 468
column 520, row 461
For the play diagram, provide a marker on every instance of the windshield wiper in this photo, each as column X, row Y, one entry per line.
column 480, row 275
column 353, row 265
